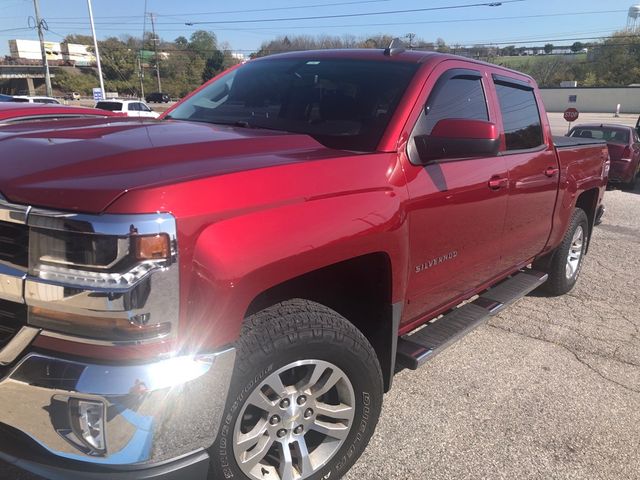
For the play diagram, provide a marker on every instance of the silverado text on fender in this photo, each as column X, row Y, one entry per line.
column 226, row 293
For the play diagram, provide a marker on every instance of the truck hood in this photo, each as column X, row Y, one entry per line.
column 84, row 165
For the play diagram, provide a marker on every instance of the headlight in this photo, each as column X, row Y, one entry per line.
column 106, row 277
column 93, row 260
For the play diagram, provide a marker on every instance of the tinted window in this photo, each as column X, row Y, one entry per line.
column 460, row 96
column 144, row 108
column 614, row 135
column 111, row 106
column 343, row 104
column 134, row 107
column 520, row 116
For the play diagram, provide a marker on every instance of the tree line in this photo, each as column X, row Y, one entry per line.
column 184, row 64
column 187, row 63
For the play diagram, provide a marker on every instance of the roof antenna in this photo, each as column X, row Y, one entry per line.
column 396, row 46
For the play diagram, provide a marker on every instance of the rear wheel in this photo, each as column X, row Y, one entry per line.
column 305, row 397
column 565, row 263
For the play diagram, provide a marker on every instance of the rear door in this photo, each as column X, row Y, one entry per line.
column 455, row 218
column 533, row 172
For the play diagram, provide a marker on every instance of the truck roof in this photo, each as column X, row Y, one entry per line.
column 410, row 56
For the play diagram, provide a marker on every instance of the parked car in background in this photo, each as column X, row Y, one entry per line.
column 11, row 112
column 624, row 149
column 131, row 108
column 27, row 99
column 157, row 97
column 72, row 96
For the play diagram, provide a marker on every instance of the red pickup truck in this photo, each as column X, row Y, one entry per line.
column 227, row 292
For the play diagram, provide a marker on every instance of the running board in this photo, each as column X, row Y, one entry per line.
column 415, row 349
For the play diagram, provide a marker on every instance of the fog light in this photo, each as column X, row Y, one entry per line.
column 88, row 423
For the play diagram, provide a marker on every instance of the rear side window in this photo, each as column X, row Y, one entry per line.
column 457, row 94
column 110, row 106
column 520, row 116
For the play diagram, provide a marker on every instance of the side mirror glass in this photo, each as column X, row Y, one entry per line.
column 453, row 138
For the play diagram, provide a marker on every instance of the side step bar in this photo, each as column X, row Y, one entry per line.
column 415, row 349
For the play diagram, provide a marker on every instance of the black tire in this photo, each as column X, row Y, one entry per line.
column 292, row 331
column 631, row 186
column 555, row 265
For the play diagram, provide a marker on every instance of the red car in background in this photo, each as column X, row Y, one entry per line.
column 10, row 112
column 624, row 149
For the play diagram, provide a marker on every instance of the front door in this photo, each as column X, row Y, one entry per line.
column 455, row 218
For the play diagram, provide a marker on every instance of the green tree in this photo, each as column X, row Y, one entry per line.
column 616, row 61
column 576, row 47
column 181, row 42
column 548, row 48
column 118, row 61
column 441, row 46
column 213, row 66
column 79, row 39
column 203, row 43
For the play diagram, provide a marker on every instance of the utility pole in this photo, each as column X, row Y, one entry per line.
column 45, row 63
column 141, row 75
column 411, row 36
column 140, row 58
column 95, row 45
column 155, row 46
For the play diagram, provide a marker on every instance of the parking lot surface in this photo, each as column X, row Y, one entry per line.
column 548, row 389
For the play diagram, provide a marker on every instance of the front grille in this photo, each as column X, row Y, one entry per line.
column 13, row 316
column 14, row 244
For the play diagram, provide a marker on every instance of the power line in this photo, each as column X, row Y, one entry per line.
column 362, row 14
column 384, row 24
column 225, row 12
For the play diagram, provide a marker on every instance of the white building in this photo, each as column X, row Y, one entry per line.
column 71, row 52
column 30, row 50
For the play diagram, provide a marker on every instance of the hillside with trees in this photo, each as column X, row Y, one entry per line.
column 185, row 63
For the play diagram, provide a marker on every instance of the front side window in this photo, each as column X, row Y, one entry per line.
column 520, row 116
column 458, row 94
column 455, row 95
column 344, row 104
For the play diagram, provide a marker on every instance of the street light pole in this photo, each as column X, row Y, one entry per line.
column 45, row 62
column 95, row 45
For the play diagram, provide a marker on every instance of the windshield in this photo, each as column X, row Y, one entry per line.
column 613, row 135
column 344, row 104
column 111, row 106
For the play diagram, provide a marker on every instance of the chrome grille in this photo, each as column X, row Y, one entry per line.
column 14, row 244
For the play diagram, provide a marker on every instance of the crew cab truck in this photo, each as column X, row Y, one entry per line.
column 227, row 292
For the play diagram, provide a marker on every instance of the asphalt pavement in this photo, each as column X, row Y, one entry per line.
column 548, row 389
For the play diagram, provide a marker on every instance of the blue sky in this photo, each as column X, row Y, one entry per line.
column 519, row 21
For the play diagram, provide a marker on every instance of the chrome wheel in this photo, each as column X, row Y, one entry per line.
column 294, row 422
column 575, row 252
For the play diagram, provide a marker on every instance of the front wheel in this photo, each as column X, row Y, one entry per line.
column 565, row 263
column 305, row 397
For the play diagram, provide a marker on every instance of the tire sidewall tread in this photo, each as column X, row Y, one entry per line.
column 558, row 283
column 297, row 330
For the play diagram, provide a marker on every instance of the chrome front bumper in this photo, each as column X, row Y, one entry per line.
column 154, row 412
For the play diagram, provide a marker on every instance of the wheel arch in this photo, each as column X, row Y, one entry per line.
column 588, row 201
column 359, row 289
